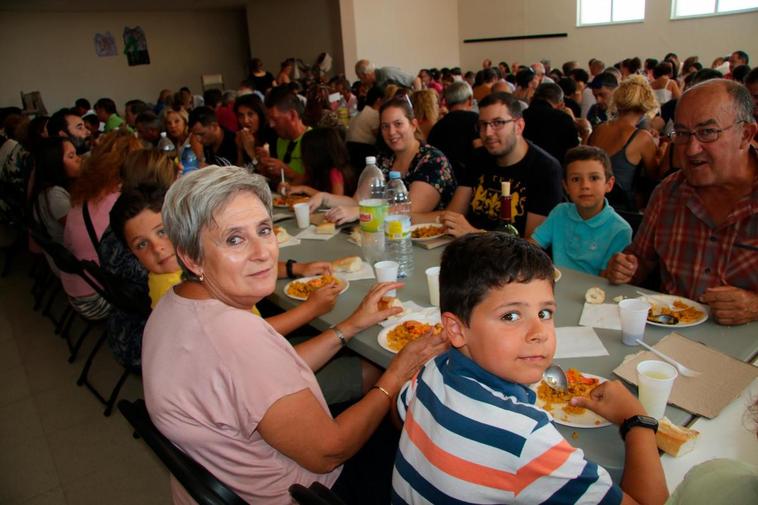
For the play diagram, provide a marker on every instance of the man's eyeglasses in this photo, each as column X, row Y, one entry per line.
column 495, row 124
column 703, row 135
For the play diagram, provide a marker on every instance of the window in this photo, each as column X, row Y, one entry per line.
column 696, row 8
column 600, row 12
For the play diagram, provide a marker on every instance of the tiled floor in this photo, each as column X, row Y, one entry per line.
column 56, row 447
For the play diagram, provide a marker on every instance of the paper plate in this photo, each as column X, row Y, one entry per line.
column 306, row 279
column 426, row 225
column 587, row 419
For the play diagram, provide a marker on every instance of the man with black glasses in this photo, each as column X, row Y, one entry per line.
column 534, row 175
column 700, row 225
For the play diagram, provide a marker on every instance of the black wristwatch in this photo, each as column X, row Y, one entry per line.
column 641, row 421
column 290, row 274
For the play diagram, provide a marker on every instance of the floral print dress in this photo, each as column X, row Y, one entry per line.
column 430, row 166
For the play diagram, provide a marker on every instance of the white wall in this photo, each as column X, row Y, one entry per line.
column 53, row 52
column 410, row 34
column 280, row 29
column 705, row 37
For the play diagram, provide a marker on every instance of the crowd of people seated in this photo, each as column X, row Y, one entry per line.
column 641, row 172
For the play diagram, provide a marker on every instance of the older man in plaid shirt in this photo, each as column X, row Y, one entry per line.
column 701, row 225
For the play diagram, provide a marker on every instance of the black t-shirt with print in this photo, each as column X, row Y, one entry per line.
column 535, row 187
column 227, row 151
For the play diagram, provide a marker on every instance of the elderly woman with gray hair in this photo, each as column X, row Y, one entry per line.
column 220, row 382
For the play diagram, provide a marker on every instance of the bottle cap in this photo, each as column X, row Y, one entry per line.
column 370, row 160
column 394, row 174
column 163, row 135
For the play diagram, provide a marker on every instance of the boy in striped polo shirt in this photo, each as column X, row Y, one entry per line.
column 472, row 433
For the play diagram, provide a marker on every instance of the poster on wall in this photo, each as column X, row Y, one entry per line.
column 135, row 46
column 105, row 44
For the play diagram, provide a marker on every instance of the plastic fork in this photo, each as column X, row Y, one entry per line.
column 683, row 370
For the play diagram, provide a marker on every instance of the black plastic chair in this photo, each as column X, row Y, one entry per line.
column 315, row 494
column 201, row 484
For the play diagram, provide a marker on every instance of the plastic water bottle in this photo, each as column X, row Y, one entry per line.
column 371, row 182
column 397, row 225
column 166, row 146
column 189, row 159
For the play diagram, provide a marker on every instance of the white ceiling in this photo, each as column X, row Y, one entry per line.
column 117, row 5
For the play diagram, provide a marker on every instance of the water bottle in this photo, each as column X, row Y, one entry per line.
column 371, row 182
column 189, row 159
column 397, row 226
column 166, row 146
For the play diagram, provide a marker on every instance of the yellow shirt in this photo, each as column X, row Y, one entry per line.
column 159, row 284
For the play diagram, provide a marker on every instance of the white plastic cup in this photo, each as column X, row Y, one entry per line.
column 302, row 214
column 633, row 315
column 654, row 381
column 386, row 271
column 433, row 283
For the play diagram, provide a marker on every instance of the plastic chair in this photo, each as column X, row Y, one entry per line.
column 209, row 81
column 201, row 484
column 315, row 494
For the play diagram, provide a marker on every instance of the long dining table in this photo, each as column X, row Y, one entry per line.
column 601, row 445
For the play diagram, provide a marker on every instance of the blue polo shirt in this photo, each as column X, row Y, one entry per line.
column 583, row 245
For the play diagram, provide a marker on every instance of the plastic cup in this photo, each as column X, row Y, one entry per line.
column 633, row 315
column 371, row 214
column 433, row 283
column 654, row 381
column 302, row 214
column 386, row 271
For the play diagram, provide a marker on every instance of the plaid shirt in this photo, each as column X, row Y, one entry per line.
column 694, row 254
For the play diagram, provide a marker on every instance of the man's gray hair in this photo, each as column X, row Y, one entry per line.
column 364, row 67
column 458, row 92
column 195, row 199
column 550, row 92
column 742, row 102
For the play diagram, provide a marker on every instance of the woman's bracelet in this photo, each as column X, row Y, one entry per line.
column 387, row 393
column 340, row 335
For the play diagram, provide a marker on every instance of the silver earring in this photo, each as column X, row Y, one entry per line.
column 202, row 277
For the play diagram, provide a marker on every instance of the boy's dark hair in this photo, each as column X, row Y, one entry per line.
column 91, row 119
column 588, row 153
column 740, row 72
column 83, row 103
column 580, row 75
column 203, row 115
column 514, row 108
column 130, row 203
column 107, row 105
column 500, row 259
column 212, row 97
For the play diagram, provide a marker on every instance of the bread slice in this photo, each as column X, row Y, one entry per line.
column 348, row 264
column 281, row 234
column 675, row 440
column 326, row 228
column 387, row 302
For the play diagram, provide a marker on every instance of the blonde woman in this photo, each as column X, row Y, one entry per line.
column 175, row 123
column 426, row 109
column 633, row 150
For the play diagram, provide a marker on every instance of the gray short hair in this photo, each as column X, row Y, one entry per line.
column 742, row 102
column 194, row 199
column 363, row 67
column 458, row 92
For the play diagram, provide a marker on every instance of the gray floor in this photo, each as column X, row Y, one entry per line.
column 56, row 447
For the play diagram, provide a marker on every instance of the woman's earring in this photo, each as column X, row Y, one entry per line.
column 202, row 277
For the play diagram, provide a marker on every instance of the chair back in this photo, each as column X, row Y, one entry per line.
column 212, row 81
column 204, row 488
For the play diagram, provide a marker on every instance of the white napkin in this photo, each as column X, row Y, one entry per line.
column 416, row 312
column 578, row 342
column 291, row 241
column 310, row 234
column 366, row 272
column 602, row 315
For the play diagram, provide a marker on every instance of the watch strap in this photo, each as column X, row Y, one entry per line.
column 635, row 421
column 290, row 274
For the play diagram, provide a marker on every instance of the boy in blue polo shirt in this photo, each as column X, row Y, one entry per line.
column 587, row 232
column 472, row 432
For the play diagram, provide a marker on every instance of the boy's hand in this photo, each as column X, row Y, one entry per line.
column 613, row 401
column 621, row 268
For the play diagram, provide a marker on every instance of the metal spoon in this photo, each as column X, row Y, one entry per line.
column 663, row 319
column 555, row 377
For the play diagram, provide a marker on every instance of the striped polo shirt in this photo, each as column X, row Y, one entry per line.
column 472, row 437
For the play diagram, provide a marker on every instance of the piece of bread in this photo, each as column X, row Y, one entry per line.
column 387, row 302
column 348, row 264
column 594, row 295
column 326, row 228
column 281, row 234
column 675, row 440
